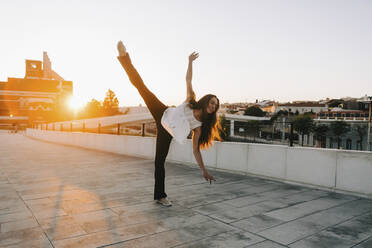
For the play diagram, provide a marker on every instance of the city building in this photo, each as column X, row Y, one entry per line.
column 344, row 114
column 35, row 97
column 356, row 138
column 302, row 107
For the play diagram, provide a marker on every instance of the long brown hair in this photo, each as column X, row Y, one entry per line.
column 210, row 124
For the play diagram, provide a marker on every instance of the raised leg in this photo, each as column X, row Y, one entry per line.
column 155, row 106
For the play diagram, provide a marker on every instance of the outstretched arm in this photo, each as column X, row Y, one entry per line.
column 197, row 155
column 190, row 92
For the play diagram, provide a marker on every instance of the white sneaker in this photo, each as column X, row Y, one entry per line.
column 165, row 202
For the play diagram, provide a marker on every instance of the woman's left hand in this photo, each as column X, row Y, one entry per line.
column 208, row 177
column 193, row 56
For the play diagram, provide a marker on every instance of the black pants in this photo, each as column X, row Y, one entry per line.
column 157, row 109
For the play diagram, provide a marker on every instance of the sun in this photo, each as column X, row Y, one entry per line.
column 76, row 103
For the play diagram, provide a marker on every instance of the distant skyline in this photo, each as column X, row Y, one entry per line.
column 283, row 50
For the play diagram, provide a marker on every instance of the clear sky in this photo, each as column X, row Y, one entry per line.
column 249, row 49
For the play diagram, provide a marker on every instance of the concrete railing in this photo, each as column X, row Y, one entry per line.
column 338, row 170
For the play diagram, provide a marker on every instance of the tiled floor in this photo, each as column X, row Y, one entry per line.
column 59, row 196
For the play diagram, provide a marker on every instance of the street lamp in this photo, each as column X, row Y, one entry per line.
column 368, row 99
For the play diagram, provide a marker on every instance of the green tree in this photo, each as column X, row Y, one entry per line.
column 110, row 104
column 303, row 124
column 320, row 132
column 335, row 103
column 254, row 111
column 339, row 128
column 280, row 113
column 253, row 127
column 361, row 130
column 232, row 111
column 92, row 109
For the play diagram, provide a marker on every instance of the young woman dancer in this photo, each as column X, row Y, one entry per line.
column 197, row 116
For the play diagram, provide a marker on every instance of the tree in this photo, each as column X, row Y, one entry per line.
column 335, row 103
column 339, row 128
column 278, row 114
column 320, row 132
column 110, row 104
column 225, row 127
column 254, row 111
column 92, row 109
column 303, row 124
column 361, row 130
column 253, row 127
column 232, row 111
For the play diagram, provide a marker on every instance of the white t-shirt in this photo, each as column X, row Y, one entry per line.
column 179, row 121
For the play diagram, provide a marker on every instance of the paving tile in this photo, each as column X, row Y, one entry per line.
column 322, row 240
column 190, row 231
column 365, row 244
column 74, row 208
column 246, row 200
column 235, row 214
column 38, row 243
column 61, row 228
column 17, row 207
column 300, row 210
column 290, row 232
column 205, row 229
column 266, row 244
column 212, row 208
column 42, row 201
column 177, row 221
column 48, row 213
column 110, row 237
column 10, row 201
column 18, row 236
column 135, row 208
column 204, row 199
column 234, row 239
column 355, row 230
column 257, row 223
column 18, row 225
column 90, row 240
column 301, row 197
column 97, row 220
column 340, row 213
column 164, row 240
column 15, row 216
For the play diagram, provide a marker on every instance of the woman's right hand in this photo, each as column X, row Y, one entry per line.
column 208, row 177
column 193, row 56
column 121, row 49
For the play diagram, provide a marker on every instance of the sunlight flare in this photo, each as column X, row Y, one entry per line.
column 76, row 103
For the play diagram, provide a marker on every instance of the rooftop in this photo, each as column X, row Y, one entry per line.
column 60, row 196
column 302, row 104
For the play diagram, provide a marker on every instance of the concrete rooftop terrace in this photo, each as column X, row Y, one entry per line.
column 59, row 196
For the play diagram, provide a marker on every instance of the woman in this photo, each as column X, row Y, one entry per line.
column 198, row 116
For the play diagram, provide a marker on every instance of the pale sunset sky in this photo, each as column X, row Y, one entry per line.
column 249, row 49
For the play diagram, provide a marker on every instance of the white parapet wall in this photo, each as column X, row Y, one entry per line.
column 338, row 170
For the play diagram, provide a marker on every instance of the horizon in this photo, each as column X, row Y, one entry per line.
column 249, row 50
